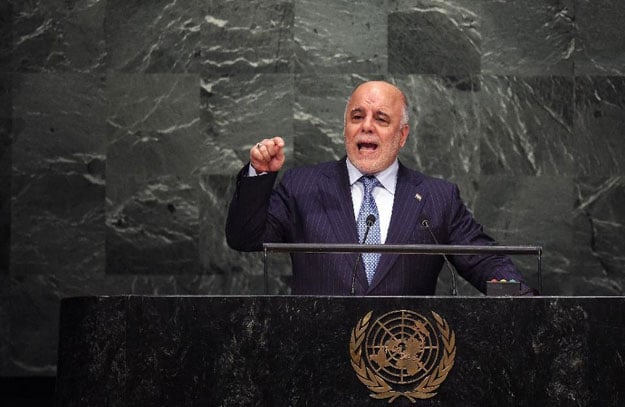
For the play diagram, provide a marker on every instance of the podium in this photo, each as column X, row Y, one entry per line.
column 315, row 351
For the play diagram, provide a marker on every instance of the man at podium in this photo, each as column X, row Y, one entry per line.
column 367, row 197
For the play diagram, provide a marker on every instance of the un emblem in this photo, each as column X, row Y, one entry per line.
column 402, row 353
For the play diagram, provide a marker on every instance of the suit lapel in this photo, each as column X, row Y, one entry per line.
column 407, row 207
column 337, row 203
column 339, row 209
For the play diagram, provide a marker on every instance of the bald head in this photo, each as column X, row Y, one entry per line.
column 383, row 86
column 376, row 126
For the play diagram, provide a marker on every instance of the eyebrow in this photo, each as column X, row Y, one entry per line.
column 356, row 110
column 382, row 113
column 378, row 112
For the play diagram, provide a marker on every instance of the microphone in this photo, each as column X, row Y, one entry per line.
column 370, row 221
column 454, row 290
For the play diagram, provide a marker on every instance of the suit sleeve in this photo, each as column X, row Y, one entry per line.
column 247, row 215
column 463, row 229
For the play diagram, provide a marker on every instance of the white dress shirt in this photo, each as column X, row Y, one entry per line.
column 384, row 196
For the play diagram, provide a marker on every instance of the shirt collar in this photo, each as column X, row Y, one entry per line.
column 387, row 177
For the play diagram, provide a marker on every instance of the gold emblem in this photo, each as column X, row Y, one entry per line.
column 402, row 353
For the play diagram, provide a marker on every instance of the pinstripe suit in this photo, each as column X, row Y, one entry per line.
column 313, row 204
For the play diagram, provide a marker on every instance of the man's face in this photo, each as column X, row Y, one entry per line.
column 373, row 130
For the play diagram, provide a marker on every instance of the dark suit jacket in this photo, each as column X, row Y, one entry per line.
column 314, row 205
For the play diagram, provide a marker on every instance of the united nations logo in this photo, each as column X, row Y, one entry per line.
column 402, row 353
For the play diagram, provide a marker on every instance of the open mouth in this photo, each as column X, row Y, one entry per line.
column 367, row 146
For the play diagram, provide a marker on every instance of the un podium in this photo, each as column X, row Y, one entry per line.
column 341, row 351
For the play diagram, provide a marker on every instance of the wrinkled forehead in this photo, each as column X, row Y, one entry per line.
column 377, row 95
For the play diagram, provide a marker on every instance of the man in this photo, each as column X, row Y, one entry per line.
column 330, row 203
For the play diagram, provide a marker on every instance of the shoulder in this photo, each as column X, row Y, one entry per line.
column 425, row 181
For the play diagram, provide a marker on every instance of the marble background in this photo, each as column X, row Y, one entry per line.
column 123, row 123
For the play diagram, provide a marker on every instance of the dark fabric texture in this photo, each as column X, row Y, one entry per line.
column 313, row 205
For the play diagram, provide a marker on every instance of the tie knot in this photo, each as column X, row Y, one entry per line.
column 370, row 182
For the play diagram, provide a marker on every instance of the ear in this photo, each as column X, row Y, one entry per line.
column 403, row 133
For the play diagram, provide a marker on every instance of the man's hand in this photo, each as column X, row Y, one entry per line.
column 268, row 155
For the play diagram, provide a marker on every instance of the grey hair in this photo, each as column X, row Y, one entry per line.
column 405, row 113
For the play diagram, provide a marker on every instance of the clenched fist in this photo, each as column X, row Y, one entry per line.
column 268, row 155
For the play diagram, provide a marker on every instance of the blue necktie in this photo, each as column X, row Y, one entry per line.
column 368, row 207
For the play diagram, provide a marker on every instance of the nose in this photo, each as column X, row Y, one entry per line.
column 367, row 124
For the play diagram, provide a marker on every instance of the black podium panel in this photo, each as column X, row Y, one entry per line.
column 341, row 351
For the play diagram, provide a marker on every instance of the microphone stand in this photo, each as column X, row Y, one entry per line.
column 370, row 221
column 454, row 289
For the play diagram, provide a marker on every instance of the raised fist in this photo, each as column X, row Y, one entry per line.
column 268, row 155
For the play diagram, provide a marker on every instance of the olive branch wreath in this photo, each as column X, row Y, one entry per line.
column 380, row 388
